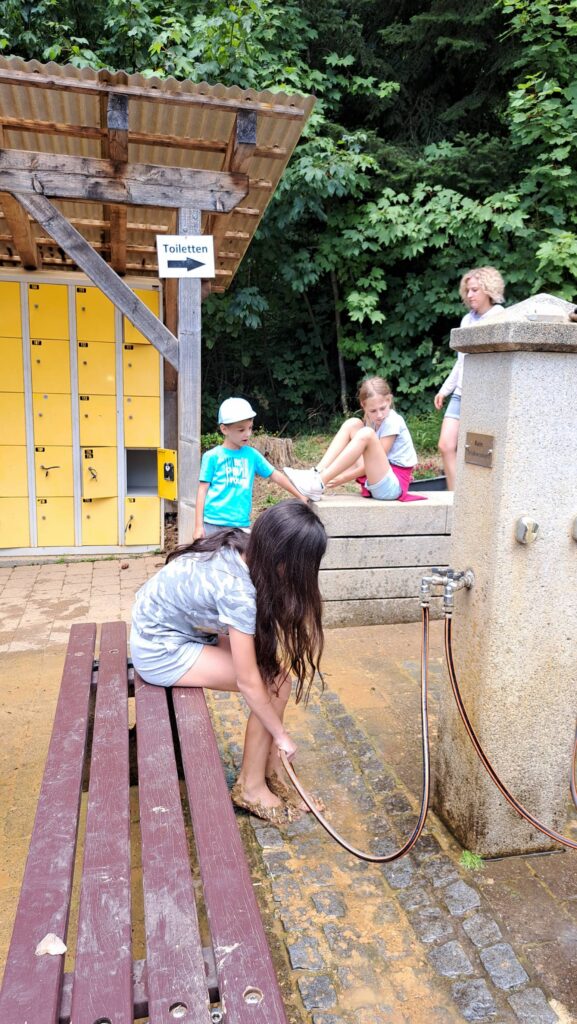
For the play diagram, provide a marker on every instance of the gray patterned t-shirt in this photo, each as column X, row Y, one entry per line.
column 196, row 594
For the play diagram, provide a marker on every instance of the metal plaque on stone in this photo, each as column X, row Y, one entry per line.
column 479, row 449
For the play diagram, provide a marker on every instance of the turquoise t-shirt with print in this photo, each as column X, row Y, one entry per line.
column 231, row 476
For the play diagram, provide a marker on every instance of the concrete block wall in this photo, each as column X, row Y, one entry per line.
column 377, row 553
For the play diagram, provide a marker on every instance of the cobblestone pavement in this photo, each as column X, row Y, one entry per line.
column 421, row 939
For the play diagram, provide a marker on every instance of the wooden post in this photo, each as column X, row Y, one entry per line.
column 189, row 386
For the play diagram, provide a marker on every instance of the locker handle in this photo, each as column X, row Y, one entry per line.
column 129, row 524
column 93, row 473
column 48, row 468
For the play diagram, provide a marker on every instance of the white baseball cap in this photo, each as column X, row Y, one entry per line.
column 233, row 410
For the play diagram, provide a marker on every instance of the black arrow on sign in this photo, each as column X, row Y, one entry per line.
column 186, row 264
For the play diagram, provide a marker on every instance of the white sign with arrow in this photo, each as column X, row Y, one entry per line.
column 185, row 255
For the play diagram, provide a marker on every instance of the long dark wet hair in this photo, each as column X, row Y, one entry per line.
column 283, row 553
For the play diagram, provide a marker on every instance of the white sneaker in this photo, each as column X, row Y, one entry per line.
column 307, row 481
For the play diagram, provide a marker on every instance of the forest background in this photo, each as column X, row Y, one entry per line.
column 444, row 136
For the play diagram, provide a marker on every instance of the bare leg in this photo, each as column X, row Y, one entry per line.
column 448, row 449
column 344, row 434
column 214, row 670
column 366, row 445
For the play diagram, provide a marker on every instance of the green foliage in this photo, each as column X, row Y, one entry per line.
column 471, row 861
column 443, row 137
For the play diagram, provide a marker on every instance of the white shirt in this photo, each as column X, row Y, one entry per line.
column 454, row 382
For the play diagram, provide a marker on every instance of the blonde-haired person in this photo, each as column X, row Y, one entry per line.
column 378, row 447
column 482, row 291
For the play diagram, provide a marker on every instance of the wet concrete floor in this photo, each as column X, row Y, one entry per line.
column 423, row 939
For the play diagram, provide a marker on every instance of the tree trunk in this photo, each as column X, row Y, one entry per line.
column 339, row 334
column 278, row 450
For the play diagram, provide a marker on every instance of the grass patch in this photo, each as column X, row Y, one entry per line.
column 471, row 861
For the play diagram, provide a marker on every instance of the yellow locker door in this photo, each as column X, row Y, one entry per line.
column 99, row 521
column 12, row 365
column 12, row 417
column 94, row 315
column 48, row 306
column 14, row 529
column 52, row 419
column 13, row 471
column 99, row 473
column 142, row 521
column 54, row 473
column 96, row 368
column 50, row 362
column 55, row 522
column 11, row 319
column 141, row 370
column 97, row 415
column 150, row 299
column 141, row 422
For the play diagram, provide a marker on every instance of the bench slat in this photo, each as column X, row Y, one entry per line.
column 102, row 987
column 31, row 988
column 243, row 960
column 176, row 972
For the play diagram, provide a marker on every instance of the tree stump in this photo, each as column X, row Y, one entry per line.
column 278, row 450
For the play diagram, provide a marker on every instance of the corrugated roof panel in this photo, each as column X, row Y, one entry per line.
column 157, row 107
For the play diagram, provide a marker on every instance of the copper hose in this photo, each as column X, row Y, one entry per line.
column 521, row 811
column 384, row 858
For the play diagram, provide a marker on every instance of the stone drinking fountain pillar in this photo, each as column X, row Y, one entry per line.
column 515, row 631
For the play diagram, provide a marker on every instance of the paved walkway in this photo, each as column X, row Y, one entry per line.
column 422, row 939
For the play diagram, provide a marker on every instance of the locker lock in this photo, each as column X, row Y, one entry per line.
column 48, row 468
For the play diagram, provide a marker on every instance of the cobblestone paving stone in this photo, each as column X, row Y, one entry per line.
column 371, row 943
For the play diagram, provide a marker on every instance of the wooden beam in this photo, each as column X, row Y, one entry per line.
column 92, row 180
column 114, row 114
column 239, row 152
column 20, row 124
column 153, row 94
column 19, row 227
column 84, row 256
column 189, row 387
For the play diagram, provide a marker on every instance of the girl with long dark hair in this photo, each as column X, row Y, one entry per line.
column 241, row 612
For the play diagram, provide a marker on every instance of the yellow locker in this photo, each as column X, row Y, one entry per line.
column 52, row 419
column 50, row 363
column 14, row 528
column 141, row 365
column 12, row 365
column 142, row 521
column 94, row 315
column 141, row 422
column 13, row 471
column 96, row 368
column 54, row 473
column 55, row 522
column 150, row 299
column 48, row 306
column 99, row 473
column 11, row 319
column 99, row 521
column 12, row 417
column 97, row 414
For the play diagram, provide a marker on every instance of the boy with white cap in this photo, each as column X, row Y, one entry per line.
column 227, row 473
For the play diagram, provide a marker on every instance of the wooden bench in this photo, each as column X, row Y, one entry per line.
column 377, row 553
column 232, row 979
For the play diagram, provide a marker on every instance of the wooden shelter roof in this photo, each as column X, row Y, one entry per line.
column 62, row 111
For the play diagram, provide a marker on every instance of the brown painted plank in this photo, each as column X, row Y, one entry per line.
column 176, row 973
column 102, row 989
column 31, row 989
column 243, row 961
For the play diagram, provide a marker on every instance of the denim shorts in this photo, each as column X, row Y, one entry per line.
column 453, row 411
column 162, row 663
column 387, row 489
